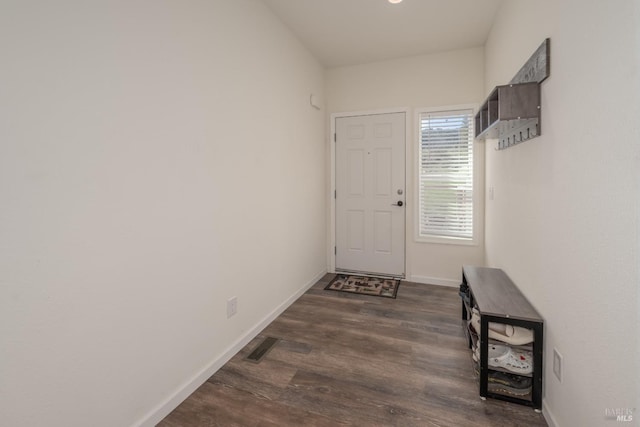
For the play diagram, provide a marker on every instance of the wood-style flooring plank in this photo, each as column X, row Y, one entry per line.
column 355, row 360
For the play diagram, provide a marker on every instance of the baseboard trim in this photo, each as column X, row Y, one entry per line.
column 434, row 281
column 163, row 409
column 546, row 413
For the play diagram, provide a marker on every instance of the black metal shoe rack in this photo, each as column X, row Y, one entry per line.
column 499, row 300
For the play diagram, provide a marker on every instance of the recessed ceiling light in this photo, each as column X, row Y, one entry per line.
column 394, row 1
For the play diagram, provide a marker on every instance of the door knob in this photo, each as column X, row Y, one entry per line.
column 398, row 204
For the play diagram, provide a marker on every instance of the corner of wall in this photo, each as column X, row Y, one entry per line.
column 158, row 413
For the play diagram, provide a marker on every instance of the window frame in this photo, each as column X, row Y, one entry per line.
column 474, row 240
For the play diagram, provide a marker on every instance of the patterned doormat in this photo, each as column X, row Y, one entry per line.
column 375, row 286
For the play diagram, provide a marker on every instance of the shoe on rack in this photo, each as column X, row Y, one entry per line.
column 464, row 294
column 502, row 356
column 508, row 380
column 463, row 288
column 514, row 335
column 516, row 361
column 503, row 389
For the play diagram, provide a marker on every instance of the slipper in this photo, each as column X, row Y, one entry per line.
column 516, row 361
column 507, row 383
column 515, row 382
column 514, row 335
column 504, row 389
column 510, row 334
column 497, row 350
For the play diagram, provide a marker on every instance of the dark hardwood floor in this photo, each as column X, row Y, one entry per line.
column 355, row 360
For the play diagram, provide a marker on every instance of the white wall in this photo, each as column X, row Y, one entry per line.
column 156, row 158
column 436, row 80
column 564, row 220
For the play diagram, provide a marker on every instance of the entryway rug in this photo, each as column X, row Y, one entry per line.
column 375, row 286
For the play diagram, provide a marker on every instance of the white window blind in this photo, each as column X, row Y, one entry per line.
column 446, row 174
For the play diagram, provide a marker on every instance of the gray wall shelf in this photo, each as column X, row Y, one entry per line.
column 511, row 113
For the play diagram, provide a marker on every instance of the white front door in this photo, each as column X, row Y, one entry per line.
column 370, row 194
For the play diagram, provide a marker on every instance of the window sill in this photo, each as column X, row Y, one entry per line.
column 446, row 240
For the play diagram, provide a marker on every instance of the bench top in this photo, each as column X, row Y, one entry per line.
column 497, row 295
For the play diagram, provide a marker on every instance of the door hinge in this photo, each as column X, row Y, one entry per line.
column 335, row 137
column 335, row 194
column 335, row 250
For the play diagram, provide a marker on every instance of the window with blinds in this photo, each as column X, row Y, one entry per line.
column 445, row 184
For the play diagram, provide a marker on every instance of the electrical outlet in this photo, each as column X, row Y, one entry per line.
column 232, row 306
column 557, row 365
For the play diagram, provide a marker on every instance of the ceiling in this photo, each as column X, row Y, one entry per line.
column 349, row 32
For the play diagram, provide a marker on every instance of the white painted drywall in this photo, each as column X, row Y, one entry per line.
column 564, row 220
column 437, row 80
column 156, row 159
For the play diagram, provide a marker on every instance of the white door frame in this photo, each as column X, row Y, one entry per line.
column 408, row 136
